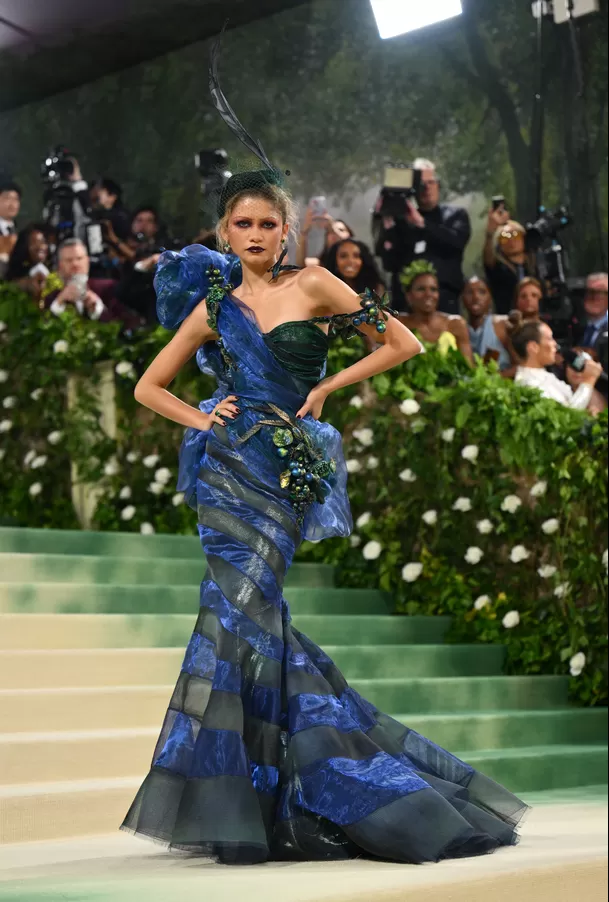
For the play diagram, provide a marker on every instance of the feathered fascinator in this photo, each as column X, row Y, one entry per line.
column 241, row 181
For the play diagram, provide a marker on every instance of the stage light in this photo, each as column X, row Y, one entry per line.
column 395, row 17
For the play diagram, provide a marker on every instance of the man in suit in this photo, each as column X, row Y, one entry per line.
column 93, row 298
column 10, row 203
column 595, row 305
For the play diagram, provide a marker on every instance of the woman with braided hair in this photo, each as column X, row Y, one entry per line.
column 266, row 752
column 445, row 330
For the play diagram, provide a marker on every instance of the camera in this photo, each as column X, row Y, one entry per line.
column 58, row 166
column 546, row 227
column 401, row 183
column 58, row 199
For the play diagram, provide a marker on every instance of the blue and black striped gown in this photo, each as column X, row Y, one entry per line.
column 266, row 753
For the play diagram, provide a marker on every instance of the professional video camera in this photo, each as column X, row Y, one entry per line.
column 402, row 182
column 542, row 241
column 58, row 199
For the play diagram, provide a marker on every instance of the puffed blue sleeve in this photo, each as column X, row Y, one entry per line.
column 181, row 280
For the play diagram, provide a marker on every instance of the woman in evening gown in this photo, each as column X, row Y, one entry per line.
column 266, row 753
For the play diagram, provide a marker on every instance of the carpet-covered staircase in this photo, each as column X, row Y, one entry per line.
column 93, row 628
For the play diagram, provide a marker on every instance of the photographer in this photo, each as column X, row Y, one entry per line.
column 94, row 298
column 335, row 230
column 106, row 196
column 506, row 260
column 432, row 231
column 136, row 287
column 536, row 349
column 10, row 204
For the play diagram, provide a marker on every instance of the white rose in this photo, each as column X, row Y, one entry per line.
column 448, row 435
column 408, row 476
column 471, row 453
column 510, row 504
column 163, row 475
column 6, row 425
column 550, row 526
column 519, row 553
column 356, row 402
column 355, row 541
column 53, row 438
column 482, row 602
column 132, row 456
column 430, row 517
column 547, row 571
column 409, row 407
column 372, row 463
column 157, row 488
column 111, row 468
column 36, row 395
column 563, row 590
column 463, row 505
column 577, row 663
column 2, row 326
column 9, row 402
column 3, row 376
column 606, row 559
column 178, row 499
column 363, row 519
column 35, row 489
column 29, row 457
column 61, row 347
column 124, row 368
column 128, row 513
column 151, row 460
column 539, row 489
column 364, row 436
column 485, row 527
column 372, row 550
column 39, row 461
column 411, row 572
column 125, row 493
column 147, row 529
column 474, row 555
column 353, row 465
column 511, row 619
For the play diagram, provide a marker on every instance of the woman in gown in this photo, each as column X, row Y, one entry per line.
column 266, row 753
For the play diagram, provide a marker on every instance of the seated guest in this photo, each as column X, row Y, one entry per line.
column 10, row 204
column 29, row 264
column 93, row 298
column 595, row 306
column 506, row 260
column 352, row 262
column 487, row 333
column 534, row 344
column 423, row 294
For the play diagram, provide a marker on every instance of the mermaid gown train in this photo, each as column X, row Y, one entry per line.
column 265, row 751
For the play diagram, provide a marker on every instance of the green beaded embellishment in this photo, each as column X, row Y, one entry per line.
column 375, row 311
column 217, row 292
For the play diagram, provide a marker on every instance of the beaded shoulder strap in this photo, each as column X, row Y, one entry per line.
column 374, row 311
column 218, row 289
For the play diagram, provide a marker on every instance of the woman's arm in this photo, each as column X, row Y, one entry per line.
column 500, row 327
column 458, row 327
column 398, row 344
column 151, row 390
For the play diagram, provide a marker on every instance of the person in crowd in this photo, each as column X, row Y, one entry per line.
column 10, row 204
column 592, row 333
column 432, row 231
column 352, row 262
column 506, row 260
column 487, row 332
column 93, row 298
column 107, row 198
column 335, row 230
column 447, row 331
column 536, row 349
column 29, row 264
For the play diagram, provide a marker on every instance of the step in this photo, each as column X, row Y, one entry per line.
column 173, row 571
column 88, row 708
column 48, row 668
column 83, row 598
column 540, row 768
column 76, row 755
column 23, row 540
column 42, row 811
column 88, row 754
column 52, row 631
column 437, row 695
column 506, row 729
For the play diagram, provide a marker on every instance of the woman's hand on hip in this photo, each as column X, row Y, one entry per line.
column 226, row 408
column 314, row 403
